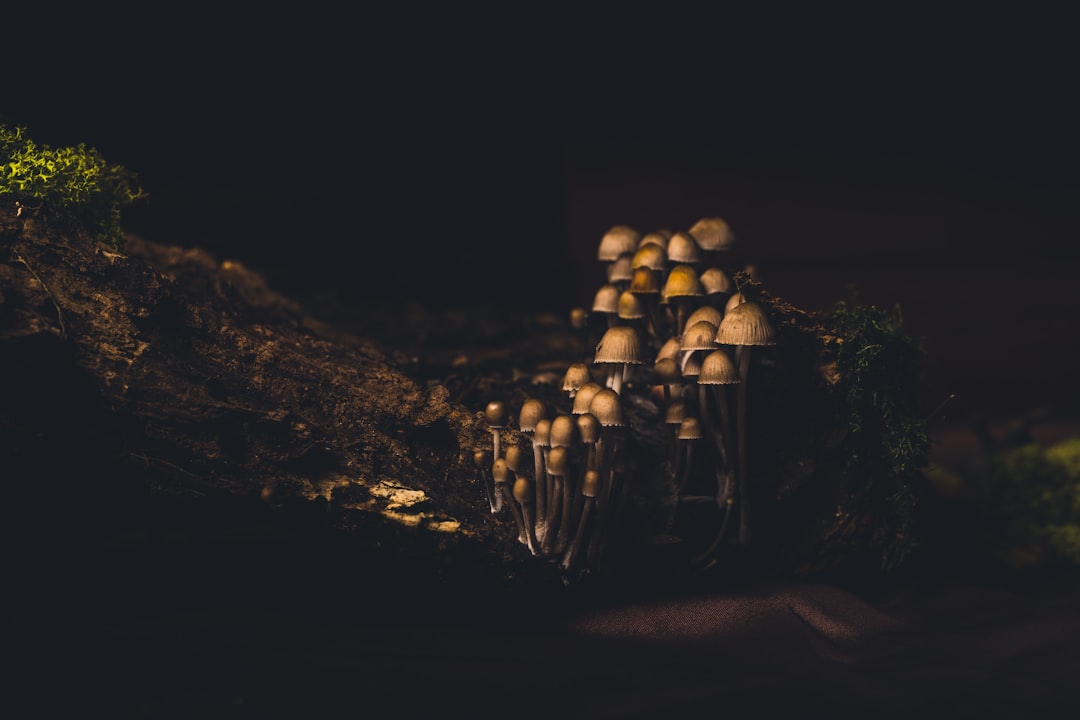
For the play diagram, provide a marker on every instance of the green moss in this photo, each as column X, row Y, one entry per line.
column 882, row 368
column 73, row 180
column 1029, row 497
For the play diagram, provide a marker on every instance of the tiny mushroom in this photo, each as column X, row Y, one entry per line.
column 620, row 346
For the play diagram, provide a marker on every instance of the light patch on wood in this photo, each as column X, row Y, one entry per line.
column 399, row 496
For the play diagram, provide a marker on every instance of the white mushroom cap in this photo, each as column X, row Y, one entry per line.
column 699, row 336
column 706, row 313
column 616, row 241
column 606, row 299
column 718, row 369
column 683, row 248
column 746, row 324
column 712, row 233
column 620, row 344
column 714, row 280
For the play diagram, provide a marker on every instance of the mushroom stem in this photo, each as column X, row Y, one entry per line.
column 742, row 353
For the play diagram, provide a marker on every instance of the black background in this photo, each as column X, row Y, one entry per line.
column 454, row 158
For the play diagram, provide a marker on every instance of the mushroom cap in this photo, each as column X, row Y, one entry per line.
column 617, row 240
column 683, row 248
column 707, row 313
column 620, row 269
column 718, row 369
column 542, row 433
column 699, row 336
column 630, row 306
column 690, row 428
column 606, row 299
column 714, row 280
column 675, row 412
column 682, row 281
column 666, row 372
column 563, row 431
column 737, row 298
column 584, row 396
column 590, row 483
column 692, row 364
column 712, row 233
column 576, row 375
column 620, row 344
column 669, row 349
column 523, row 490
column 579, row 318
column 746, row 324
column 656, row 237
column 515, row 458
column 501, row 472
column 495, row 413
column 532, row 411
column 644, row 282
column 588, row 427
column 607, row 407
column 558, row 460
column 650, row 256
column 482, row 458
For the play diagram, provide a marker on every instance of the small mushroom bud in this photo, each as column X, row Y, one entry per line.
column 523, row 494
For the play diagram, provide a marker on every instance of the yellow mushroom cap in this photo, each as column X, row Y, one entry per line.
column 644, row 282
column 649, row 256
column 682, row 281
column 746, row 324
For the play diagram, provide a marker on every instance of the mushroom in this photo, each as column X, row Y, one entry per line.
column 617, row 240
column 503, row 476
column 559, row 504
column 619, row 271
column 745, row 325
column 712, row 234
column 590, row 488
column 620, row 346
column 681, row 287
column 523, row 493
column 688, row 434
column 576, row 375
column 717, row 372
column 584, row 396
column 683, row 248
column 606, row 302
column 606, row 405
column 496, row 420
column 482, row 460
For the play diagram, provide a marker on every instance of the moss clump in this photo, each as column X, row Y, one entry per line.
column 1029, row 501
column 76, row 181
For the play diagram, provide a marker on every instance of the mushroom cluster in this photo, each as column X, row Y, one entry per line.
column 676, row 331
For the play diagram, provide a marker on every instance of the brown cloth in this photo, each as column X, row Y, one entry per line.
column 942, row 648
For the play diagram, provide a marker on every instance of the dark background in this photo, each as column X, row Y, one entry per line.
column 451, row 159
